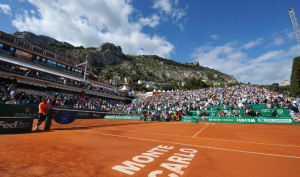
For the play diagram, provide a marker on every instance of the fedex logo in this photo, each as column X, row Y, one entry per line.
column 17, row 124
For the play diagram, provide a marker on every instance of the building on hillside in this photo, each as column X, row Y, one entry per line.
column 116, row 77
column 196, row 61
column 285, row 83
column 149, row 84
column 128, row 80
column 231, row 82
column 114, row 73
column 142, row 82
column 113, row 81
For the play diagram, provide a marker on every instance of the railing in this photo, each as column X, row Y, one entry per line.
column 7, row 38
column 6, row 52
column 37, row 49
column 57, row 80
column 34, row 48
column 23, row 44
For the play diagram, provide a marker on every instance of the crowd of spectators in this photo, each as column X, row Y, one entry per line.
column 173, row 104
column 179, row 103
column 46, row 76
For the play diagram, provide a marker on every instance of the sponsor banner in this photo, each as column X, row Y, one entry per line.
column 64, row 118
column 15, row 124
column 253, row 120
column 264, row 112
column 109, row 117
column 232, row 120
column 189, row 120
column 13, row 110
column 123, row 117
column 221, row 119
column 276, row 121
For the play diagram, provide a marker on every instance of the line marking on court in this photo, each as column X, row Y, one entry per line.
column 200, row 131
column 207, row 147
column 235, row 141
column 289, row 128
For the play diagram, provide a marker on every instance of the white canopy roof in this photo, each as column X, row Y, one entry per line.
column 124, row 88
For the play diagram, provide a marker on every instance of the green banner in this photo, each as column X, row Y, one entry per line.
column 123, row 117
column 15, row 124
column 276, row 121
column 14, row 110
column 264, row 112
column 191, row 119
column 251, row 120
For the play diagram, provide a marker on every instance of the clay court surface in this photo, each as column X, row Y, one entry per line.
column 205, row 150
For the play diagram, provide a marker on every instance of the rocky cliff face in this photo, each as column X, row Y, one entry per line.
column 144, row 67
column 106, row 54
column 39, row 39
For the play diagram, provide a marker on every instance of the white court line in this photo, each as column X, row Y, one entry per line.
column 288, row 128
column 207, row 147
column 235, row 141
column 200, row 131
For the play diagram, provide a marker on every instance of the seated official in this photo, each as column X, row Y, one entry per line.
column 257, row 113
column 236, row 113
column 273, row 113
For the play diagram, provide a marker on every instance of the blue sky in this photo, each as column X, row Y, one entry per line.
column 252, row 40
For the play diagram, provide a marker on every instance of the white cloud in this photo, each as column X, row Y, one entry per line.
column 32, row 11
column 5, row 8
column 271, row 67
column 254, row 43
column 281, row 37
column 177, row 14
column 215, row 37
column 278, row 41
column 152, row 21
column 91, row 23
column 291, row 35
column 164, row 5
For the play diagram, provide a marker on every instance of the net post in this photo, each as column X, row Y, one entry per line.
column 48, row 119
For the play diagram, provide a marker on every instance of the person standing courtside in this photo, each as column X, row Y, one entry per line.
column 43, row 110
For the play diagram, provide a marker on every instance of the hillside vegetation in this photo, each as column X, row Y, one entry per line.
column 110, row 58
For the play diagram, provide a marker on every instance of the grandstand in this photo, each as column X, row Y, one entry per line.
column 26, row 67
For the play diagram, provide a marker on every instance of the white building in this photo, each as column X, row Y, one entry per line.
column 116, row 77
column 149, row 84
column 232, row 81
column 285, row 83
column 196, row 61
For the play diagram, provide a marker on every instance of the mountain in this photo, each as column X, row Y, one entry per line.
column 110, row 58
column 39, row 39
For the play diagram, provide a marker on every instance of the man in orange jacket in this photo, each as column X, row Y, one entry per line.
column 43, row 110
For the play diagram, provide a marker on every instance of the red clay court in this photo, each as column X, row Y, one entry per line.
column 154, row 149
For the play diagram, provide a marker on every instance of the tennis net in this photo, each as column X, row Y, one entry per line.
column 73, row 119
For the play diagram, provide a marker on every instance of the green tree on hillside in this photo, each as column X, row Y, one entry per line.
column 194, row 83
column 295, row 77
